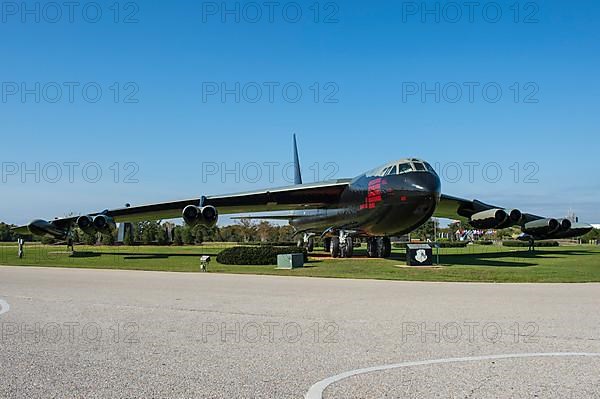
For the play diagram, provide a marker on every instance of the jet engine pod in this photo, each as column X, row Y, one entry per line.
column 104, row 224
column 515, row 216
column 205, row 216
column 44, row 228
column 490, row 219
column 86, row 224
column 542, row 227
column 565, row 224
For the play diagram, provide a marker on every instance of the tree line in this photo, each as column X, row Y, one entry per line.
column 245, row 231
column 167, row 233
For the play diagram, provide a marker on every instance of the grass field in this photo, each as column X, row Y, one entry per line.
column 474, row 263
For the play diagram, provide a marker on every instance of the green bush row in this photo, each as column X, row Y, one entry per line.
column 453, row 244
column 256, row 255
column 522, row 244
column 272, row 244
column 442, row 244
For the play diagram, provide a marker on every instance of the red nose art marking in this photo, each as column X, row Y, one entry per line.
column 373, row 194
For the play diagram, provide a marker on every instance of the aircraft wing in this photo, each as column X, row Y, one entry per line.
column 532, row 226
column 462, row 209
column 297, row 197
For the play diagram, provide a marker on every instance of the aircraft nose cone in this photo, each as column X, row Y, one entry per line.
column 425, row 183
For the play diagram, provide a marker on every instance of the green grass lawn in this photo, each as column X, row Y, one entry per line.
column 474, row 263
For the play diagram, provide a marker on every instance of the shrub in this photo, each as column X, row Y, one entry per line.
column 107, row 239
column 484, row 242
column 547, row 244
column 259, row 255
column 90, row 239
column 453, row 244
column 525, row 244
column 442, row 244
column 128, row 238
column 162, row 238
column 187, row 236
column 271, row 244
column 515, row 244
column 177, row 236
column 48, row 240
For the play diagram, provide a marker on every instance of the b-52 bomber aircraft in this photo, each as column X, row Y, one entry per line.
column 390, row 200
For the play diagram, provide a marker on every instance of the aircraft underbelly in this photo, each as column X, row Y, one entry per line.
column 384, row 219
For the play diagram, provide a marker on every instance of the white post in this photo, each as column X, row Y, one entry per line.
column 20, row 242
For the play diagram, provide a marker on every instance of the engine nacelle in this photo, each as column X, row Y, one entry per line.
column 515, row 216
column 543, row 227
column 205, row 216
column 86, row 224
column 104, row 224
column 565, row 225
column 44, row 228
column 490, row 219
column 496, row 218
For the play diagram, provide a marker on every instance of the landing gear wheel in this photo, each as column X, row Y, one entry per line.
column 310, row 245
column 335, row 247
column 379, row 247
column 327, row 244
column 348, row 249
column 372, row 247
column 387, row 247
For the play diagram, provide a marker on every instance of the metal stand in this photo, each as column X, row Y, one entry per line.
column 204, row 261
column 21, row 243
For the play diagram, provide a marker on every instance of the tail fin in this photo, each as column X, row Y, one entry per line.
column 297, row 173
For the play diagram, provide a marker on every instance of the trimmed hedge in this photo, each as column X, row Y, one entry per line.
column 442, row 244
column 270, row 244
column 521, row 244
column 484, row 242
column 453, row 244
column 259, row 255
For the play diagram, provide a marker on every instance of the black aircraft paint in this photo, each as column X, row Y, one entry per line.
column 378, row 206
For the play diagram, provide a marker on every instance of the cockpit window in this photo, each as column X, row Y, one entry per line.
column 392, row 170
column 419, row 166
column 404, row 167
column 429, row 167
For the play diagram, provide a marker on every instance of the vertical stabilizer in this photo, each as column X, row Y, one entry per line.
column 297, row 173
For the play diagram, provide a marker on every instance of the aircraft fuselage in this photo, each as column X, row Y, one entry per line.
column 379, row 205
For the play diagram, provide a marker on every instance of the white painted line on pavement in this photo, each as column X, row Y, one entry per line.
column 316, row 391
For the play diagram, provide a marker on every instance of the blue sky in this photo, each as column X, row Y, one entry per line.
column 164, row 117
